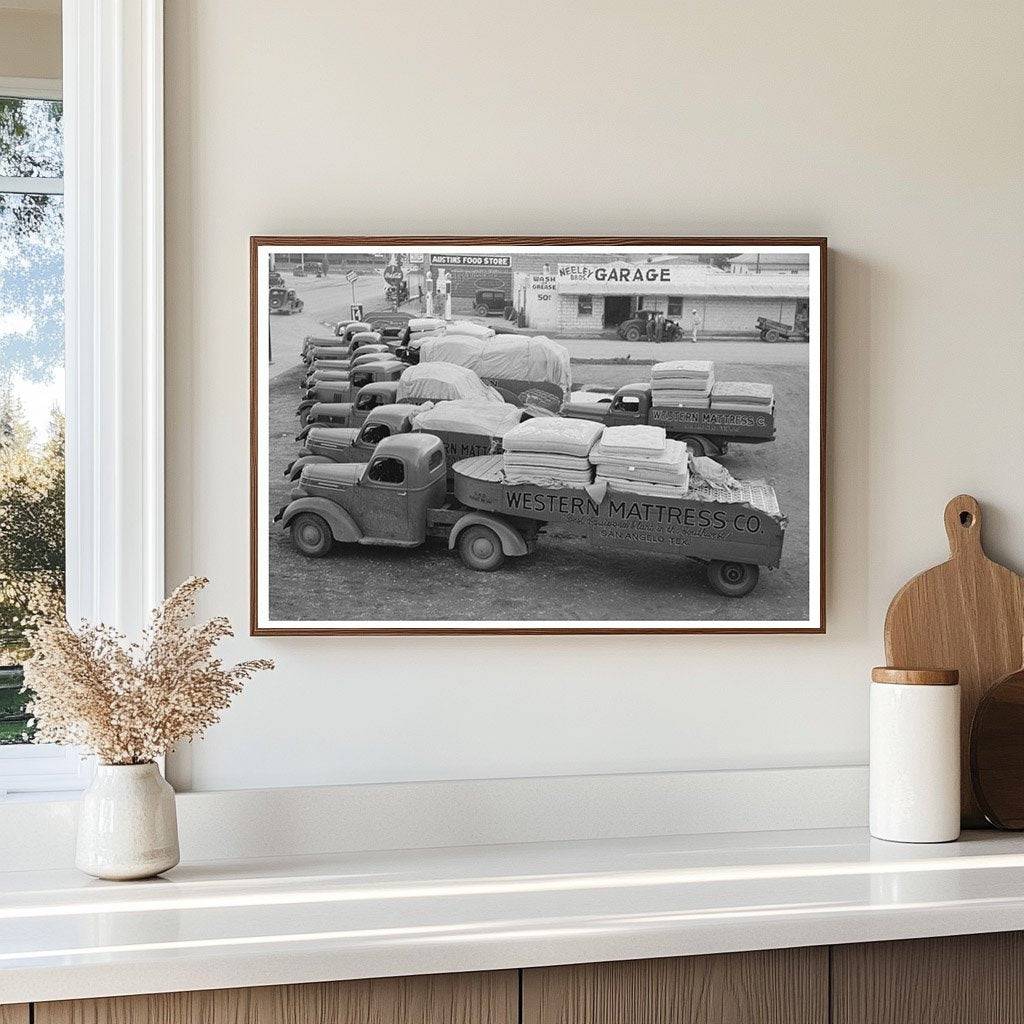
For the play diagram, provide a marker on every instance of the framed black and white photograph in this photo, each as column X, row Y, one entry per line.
column 537, row 435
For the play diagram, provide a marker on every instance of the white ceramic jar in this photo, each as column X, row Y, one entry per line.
column 127, row 824
column 915, row 755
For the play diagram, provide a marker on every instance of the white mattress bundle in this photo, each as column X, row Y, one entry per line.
column 470, row 416
column 685, row 383
column 742, row 396
column 642, row 460
column 550, row 451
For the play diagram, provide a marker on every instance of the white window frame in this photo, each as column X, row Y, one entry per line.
column 114, row 325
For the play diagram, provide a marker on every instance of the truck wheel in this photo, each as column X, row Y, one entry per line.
column 732, row 579
column 481, row 310
column 773, row 337
column 480, row 548
column 632, row 334
column 311, row 534
column 697, row 446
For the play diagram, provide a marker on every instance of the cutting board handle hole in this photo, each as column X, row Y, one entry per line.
column 966, row 519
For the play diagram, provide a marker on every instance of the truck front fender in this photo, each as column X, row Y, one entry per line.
column 342, row 525
column 294, row 470
column 512, row 543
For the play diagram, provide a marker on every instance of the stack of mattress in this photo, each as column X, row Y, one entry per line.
column 685, row 383
column 642, row 460
column 550, row 451
column 742, row 396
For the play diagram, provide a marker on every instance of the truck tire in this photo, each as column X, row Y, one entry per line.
column 481, row 310
column 732, row 579
column 697, row 445
column 480, row 548
column 632, row 334
column 772, row 337
column 311, row 534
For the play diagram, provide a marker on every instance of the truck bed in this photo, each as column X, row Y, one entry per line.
column 698, row 525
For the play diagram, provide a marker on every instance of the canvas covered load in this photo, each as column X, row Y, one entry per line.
column 504, row 357
column 470, row 416
column 441, row 382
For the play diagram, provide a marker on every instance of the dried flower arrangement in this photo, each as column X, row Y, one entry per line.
column 129, row 703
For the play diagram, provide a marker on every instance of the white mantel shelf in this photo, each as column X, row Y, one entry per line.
column 356, row 915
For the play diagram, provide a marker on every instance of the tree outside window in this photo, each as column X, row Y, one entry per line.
column 31, row 386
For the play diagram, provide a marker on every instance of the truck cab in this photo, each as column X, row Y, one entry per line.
column 630, row 405
column 350, row 414
column 352, row 444
column 384, row 501
column 343, row 390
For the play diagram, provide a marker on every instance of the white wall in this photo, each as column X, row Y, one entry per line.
column 895, row 129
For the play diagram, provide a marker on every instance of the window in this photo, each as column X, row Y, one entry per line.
column 585, row 305
column 435, row 459
column 387, row 471
column 374, row 433
column 366, row 402
column 675, row 305
column 31, row 388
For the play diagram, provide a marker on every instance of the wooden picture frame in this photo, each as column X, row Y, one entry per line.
column 668, row 249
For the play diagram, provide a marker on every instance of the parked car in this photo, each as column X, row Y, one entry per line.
column 491, row 302
column 650, row 325
column 284, row 300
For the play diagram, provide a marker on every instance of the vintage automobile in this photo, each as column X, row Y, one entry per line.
column 400, row 497
column 352, row 444
column 350, row 414
column 284, row 300
column 276, row 280
column 391, row 325
column 491, row 302
column 774, row 331
column 706, row 431
column 340, row 369
column 347, row 444
column 345, row 390
column 650, row 325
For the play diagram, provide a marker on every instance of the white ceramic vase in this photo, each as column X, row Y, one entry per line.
column 127, row 825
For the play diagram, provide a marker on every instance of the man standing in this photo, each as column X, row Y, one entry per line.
column 695, row 316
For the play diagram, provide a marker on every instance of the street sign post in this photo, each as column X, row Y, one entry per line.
column 351, row 277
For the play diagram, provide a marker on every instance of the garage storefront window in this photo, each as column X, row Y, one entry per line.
column 675, row 305
column 585, row 305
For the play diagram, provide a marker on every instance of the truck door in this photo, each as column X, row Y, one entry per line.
column 384, row 497
column 625, row 410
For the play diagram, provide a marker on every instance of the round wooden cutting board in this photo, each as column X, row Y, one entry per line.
column 967, row 614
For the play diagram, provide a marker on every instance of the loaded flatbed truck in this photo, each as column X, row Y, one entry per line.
column 399, row 498
column 706, row 431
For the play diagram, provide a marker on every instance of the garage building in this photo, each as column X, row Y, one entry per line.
column 588, row 299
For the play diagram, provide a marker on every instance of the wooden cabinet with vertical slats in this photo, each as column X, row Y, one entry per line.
column 960, row 979
column 968, row 979
column 776, row 986
column 481, row 998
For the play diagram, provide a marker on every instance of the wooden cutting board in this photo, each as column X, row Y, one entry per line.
column 967, row 614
